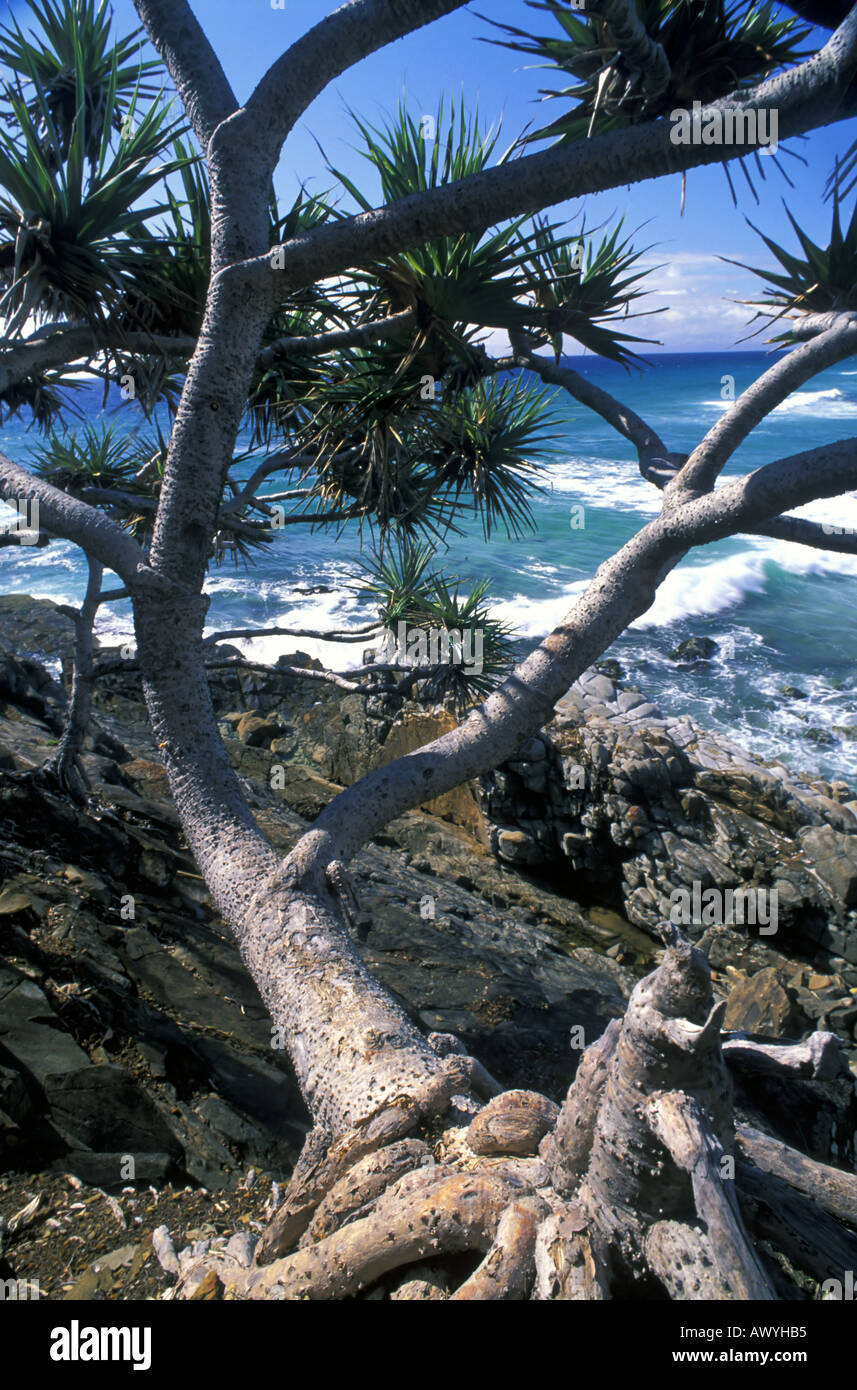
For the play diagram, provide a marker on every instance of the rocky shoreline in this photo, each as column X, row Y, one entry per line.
column 516, row 914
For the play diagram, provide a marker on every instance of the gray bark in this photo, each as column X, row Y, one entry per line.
column 830, row 1187
column 64, row 765
column 705, row 464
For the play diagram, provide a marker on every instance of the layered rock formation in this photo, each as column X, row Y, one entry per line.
column 613, row 796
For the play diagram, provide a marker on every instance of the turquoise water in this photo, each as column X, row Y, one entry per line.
column 782, row 614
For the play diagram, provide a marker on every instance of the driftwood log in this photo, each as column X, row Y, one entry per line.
column 641, row 1177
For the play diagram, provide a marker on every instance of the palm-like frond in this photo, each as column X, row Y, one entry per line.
column 397, row 578
column 44, row 397
column 583, row 289
column 454, row 612
column 171, row 280
column 711, row 48
column 823, row 279
column 520, row 277
column 366, row 415
column 400, row 581
column 843, row 177
column 487, row 446
column 412, row 157
column 454, row 281
column 72, row 241
column 402, row 453
column 73, row 46
column 95, row 456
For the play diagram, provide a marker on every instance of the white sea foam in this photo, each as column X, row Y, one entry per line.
column 830, row 404
column 615, row 485
column 690, row 591
column 701, row 589
column 531, row 617
column 694, row 590
column 337, row 610
column 114, row 629
column 833, row 403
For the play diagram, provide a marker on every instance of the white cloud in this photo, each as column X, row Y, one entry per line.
column 698, row 293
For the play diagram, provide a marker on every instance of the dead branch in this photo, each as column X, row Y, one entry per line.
column 832, row 1188
column 683, row 1127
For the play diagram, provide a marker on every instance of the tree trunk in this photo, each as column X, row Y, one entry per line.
column 64, row 765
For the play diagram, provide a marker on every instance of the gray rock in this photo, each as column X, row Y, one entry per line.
column 105, row 1109
column 597, row 688
column 658, row 807
column 834, row 858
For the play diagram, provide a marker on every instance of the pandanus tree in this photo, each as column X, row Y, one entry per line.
column 323, row 329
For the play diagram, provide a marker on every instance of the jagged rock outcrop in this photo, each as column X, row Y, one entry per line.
column 612, row 794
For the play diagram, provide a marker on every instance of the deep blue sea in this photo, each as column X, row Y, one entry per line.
column 782, row 614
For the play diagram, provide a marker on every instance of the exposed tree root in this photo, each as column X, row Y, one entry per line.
column 807, row 1235
column 63, row 772
column 572, row 1262
column 821, row 1057
column 508, row 1270
column 636, row 1177
column 567, row 1150
column 324, row 1160
column 512, row 1123
column 681, row 1258
column 831, row 1188
column 422, row 1284
column 681, row 1123
column 424, row 1214
column 669, row 1040
column 363, row 1184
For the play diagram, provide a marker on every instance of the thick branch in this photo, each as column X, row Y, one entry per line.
column 424, row 1213
column 820, row 536
column 807, row 1235
column 76, row 521
column 567, row 1150
column 329, row 48
column 645, row 440
column 623, row 588
column 301, row 672
column 314, row 345
column 64, row 764
column 813, row 325
column 660, row 467
column 705, row 464
column 805, row 97
column 191, row 62
column 16, row 537
column 354, row 634
column 508, row 1270
column 25, row 357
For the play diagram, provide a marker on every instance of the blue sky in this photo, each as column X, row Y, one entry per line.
column 693, row 285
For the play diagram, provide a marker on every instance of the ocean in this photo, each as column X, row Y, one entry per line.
column 783, row 615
